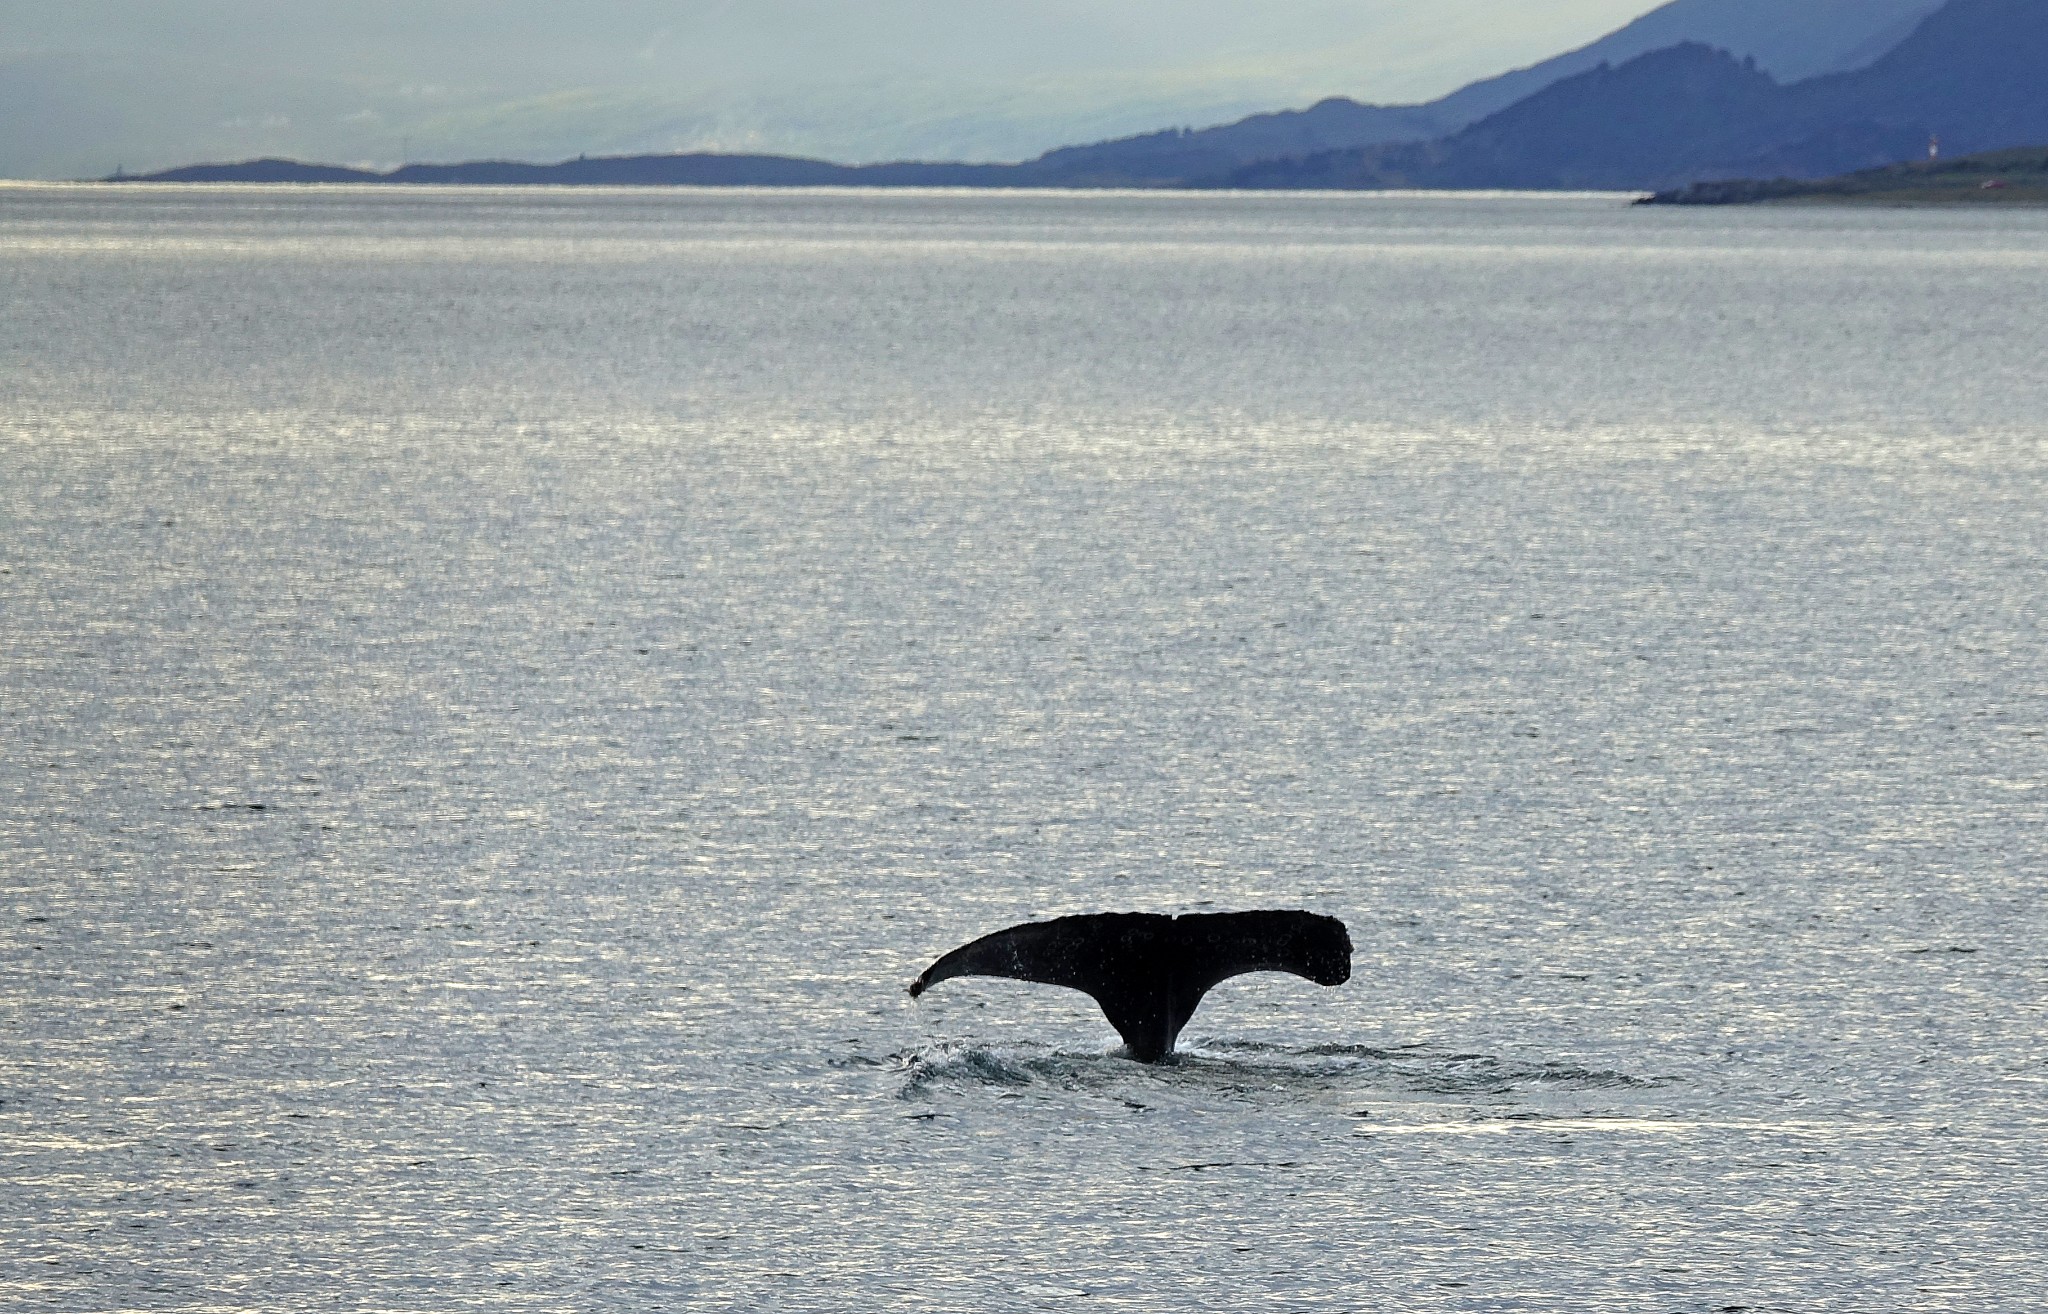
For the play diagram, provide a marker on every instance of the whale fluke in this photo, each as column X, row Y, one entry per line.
column 1150, row 971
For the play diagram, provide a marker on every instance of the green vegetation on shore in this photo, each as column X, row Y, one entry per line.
column 2009, row 177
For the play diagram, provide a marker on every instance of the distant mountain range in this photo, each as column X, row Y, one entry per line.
column 1685, row 93
column 1790, row 40
column 1972, row 74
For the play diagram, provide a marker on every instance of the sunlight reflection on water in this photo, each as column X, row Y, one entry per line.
column 492, row 734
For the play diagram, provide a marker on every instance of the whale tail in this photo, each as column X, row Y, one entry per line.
column 1149, row 971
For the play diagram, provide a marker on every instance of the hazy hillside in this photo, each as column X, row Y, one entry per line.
column 1971, row 72
column 1175, row 154
column 1790, row 39
column 1609, row 129
column 1976, row 72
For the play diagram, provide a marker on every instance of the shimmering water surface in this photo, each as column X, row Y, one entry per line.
column 502, row 689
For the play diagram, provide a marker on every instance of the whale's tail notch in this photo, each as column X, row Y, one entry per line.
column 1149, row 971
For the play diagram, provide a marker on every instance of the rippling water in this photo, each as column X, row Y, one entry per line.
column 502, row 690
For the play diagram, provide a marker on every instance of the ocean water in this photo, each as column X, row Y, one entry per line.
column 501, row 690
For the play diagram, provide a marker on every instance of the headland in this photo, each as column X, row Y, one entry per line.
column 2010, row 177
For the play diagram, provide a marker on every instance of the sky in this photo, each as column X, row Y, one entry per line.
column 87, row 86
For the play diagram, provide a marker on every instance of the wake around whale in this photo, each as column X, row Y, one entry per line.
column 1149, row 971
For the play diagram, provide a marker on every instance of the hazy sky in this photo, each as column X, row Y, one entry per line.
column 86, row 85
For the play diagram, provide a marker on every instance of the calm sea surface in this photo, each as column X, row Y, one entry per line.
column 500, row 690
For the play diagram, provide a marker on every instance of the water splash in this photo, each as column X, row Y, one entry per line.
column 955, row 1064
column 1252, row 1065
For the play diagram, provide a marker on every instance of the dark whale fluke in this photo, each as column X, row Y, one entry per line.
column 1149, row 971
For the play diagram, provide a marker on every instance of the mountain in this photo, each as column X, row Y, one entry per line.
column 1973, row 72
column 1969, row 72
column 1177, row 154
column 1613, row 129
column 1790, row 39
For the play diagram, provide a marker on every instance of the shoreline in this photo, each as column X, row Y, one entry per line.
column 2013, row 177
